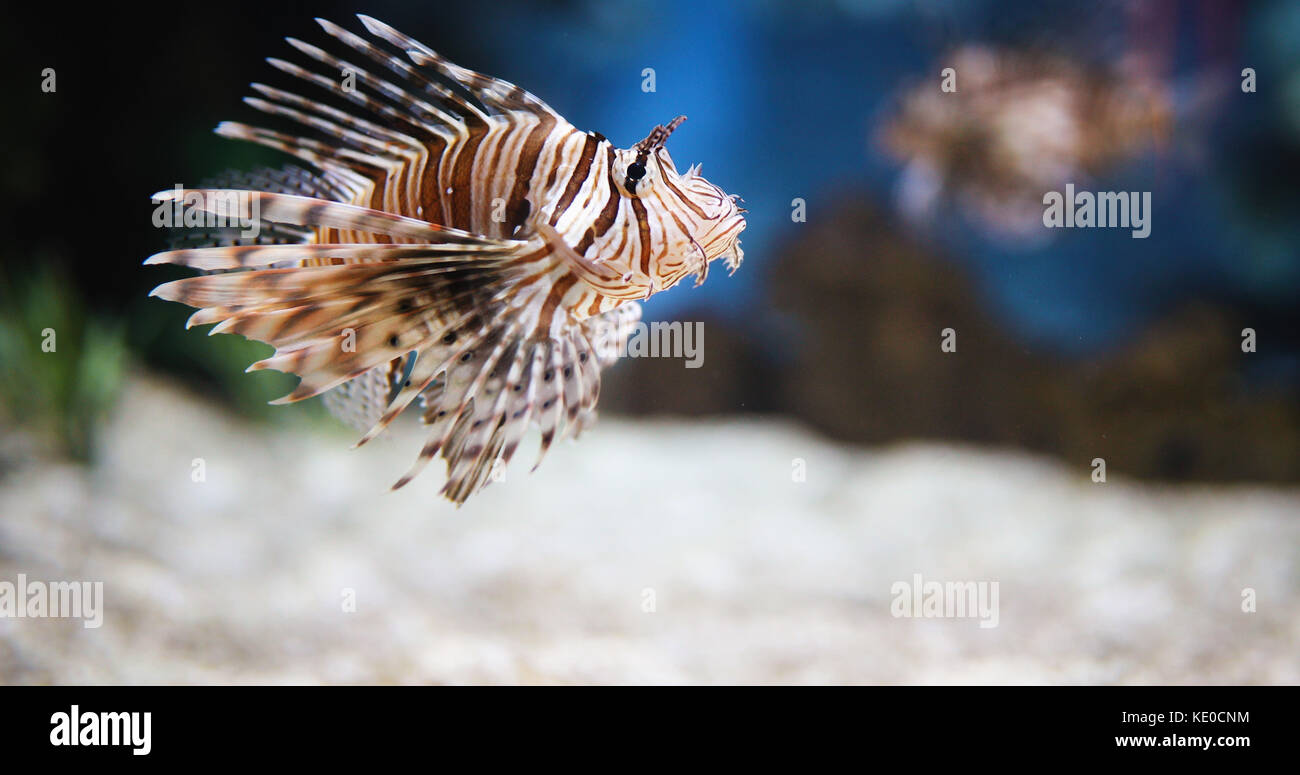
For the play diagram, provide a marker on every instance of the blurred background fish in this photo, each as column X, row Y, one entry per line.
column 1012, row 125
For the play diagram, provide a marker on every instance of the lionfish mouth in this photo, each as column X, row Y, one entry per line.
column 723, row 239
column 727, row 245
column 733, row 256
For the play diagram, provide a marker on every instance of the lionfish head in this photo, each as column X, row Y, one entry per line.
column 710, row 218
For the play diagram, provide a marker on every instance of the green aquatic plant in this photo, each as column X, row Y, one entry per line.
column 61, row 367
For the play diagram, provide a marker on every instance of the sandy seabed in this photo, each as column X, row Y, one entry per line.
column 546, row 578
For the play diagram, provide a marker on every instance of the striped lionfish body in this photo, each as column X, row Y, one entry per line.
column 447, row 240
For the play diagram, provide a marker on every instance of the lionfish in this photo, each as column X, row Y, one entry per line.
column 447, row 238
column 1019, row 124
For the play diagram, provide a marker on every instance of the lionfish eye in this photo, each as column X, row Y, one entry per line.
column 635, row 171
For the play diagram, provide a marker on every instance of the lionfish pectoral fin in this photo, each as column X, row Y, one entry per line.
column 251, row 232
column 297, row 210
column 330, row 324
column 600, row 276
column 583, row 267
column 503, row 380
column 456, row 330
